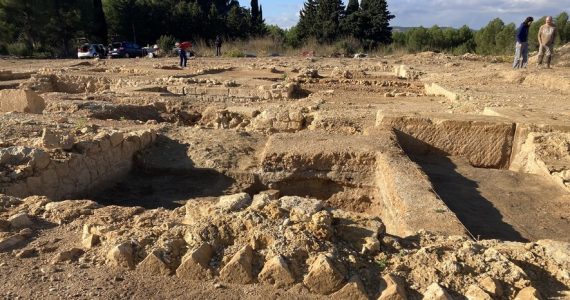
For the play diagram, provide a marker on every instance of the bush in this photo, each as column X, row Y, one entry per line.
column 165, row 44
column 18, row 49
column 348, row 46
column 234, row 53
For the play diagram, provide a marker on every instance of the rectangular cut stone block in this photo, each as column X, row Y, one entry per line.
column 21, row 101
column 485, row 141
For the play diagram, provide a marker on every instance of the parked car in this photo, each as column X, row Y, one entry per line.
column 126, row 50
column 91, row 51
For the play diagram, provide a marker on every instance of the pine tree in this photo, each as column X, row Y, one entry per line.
column 561, row 25
column 307, row 20
column 376, row 22
column 329, row 14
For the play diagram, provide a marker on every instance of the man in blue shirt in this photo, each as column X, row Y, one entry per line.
column 521, row 47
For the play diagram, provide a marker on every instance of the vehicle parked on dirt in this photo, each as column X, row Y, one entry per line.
column 125, row 50
column 91, row 51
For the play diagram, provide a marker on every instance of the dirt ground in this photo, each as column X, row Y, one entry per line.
column 146, row 152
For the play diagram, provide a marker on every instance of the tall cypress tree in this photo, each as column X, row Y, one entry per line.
column 99, row 22
column 254, row 11
column 257, row 22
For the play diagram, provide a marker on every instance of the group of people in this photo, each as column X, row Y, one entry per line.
column 546, row 39
column 184, row 46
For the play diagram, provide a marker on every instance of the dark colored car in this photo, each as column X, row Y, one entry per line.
column 125, row 49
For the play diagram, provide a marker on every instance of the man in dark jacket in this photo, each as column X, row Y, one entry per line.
column 521, row 47
column 218, row 43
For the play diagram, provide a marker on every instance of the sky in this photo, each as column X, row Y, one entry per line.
column 454, row 13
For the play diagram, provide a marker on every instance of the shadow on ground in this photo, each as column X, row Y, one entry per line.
column 461, row 195
column 165, row 177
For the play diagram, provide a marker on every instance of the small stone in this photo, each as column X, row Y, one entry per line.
column 26, row 232
column 154, row 265
column 353, row 290
column 476, row 293
column 436, row 292
column 528, row 293
column 394, row 289
column 122, row 256
column 239, row 269
column 491, row 286
column 276, row 272
column 259, row 201
column 218, row 285
column 323, row 277
column 235, row 202
column 68, row 255
column 195, row 264
column 90, row 240
column 21, row 220
column 10, row 242
column 27, row 253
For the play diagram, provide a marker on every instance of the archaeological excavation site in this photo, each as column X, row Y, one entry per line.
column 422, row 176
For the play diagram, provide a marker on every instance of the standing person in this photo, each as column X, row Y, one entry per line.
column 182, row 55
column 218, row 43
column 521, row 47
column 546, row 38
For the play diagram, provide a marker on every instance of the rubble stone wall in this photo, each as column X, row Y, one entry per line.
column 100, row 162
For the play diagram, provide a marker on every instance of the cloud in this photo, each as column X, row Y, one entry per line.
column 475, row 13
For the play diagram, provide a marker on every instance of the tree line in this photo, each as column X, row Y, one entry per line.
column 53, row 28
column 496, row 38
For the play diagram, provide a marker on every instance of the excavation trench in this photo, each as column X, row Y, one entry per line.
column 469, row 164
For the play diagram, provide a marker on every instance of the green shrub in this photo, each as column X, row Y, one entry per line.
column 18, row 49
column 348, row 46
column 165, row 44
column 234, row 53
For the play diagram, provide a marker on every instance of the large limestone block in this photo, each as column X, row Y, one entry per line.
column 21, row 101
column 323, row 277
column 195, row 264
column 485, row 141
column 276, row 272
column 239, row 269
